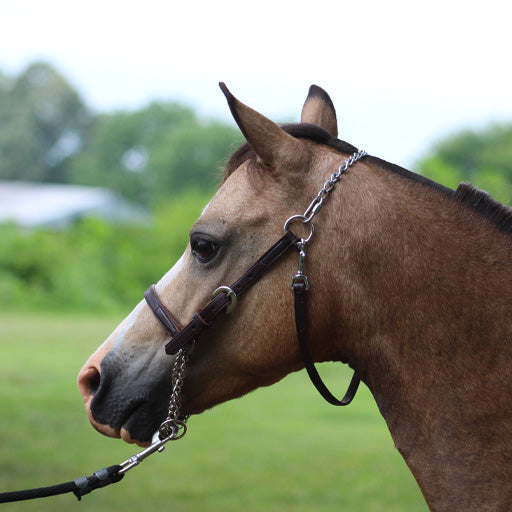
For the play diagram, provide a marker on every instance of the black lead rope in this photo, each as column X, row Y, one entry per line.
column 79, row 487
column 101, row 478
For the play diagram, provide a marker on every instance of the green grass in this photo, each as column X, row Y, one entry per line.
column 279, row 448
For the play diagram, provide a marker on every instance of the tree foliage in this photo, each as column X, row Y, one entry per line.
column 43, row 121
column 93, row 265
column 48, row 134
column 483, row 158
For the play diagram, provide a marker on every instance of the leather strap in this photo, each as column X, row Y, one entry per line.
column 182, row 336
column 204, row 318
column 300, row 294
column 164, row 316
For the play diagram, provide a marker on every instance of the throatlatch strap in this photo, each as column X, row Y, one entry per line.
column 300, row 293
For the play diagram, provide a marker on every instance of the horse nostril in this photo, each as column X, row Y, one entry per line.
column 89, row 381
column 94, row 381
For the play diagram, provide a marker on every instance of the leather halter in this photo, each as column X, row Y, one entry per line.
column 182, row 337
column 205, row 318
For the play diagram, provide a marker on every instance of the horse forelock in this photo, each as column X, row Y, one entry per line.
column 298, row 130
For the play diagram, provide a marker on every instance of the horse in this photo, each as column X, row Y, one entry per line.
column 409, row 284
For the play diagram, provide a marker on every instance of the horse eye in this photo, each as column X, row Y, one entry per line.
column 204, row 250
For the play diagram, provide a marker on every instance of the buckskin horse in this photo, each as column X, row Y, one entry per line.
column 410, row 284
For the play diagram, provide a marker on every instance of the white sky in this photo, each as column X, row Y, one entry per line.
column 401, row 73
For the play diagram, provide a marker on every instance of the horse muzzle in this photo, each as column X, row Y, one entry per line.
column 124, row 401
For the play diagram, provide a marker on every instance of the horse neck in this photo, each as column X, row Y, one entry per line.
column 425, row 283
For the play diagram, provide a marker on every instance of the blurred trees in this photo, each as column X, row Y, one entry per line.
column 483, row 158
column 48, row 134
column 43, row 122
column 93, row 265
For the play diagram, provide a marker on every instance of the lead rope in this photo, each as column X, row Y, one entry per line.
column 173, row 428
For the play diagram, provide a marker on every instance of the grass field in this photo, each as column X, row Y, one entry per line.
column 278, row 449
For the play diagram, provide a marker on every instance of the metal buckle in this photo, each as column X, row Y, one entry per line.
column 300, row 277
column 230, row 294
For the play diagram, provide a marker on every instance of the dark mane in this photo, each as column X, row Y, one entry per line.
column 418, row 178
column 480, row 201
column 498, row 214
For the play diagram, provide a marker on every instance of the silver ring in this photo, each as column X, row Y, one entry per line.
column 304, row 220
column 230, row 294
column 174, row 426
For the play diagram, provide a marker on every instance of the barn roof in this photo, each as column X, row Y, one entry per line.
column 56, row 205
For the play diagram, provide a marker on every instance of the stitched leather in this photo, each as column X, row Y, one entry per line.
column 204, row 318
column 164, row 316
column 218, row 305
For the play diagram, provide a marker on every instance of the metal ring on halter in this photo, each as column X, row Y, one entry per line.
column 304, row 220
column 174, row 426
column 230, row 294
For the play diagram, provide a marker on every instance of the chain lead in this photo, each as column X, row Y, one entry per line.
column 173, row 424
column 173, row 427
column 329, row 185
column 322, row 195
column 314, row 207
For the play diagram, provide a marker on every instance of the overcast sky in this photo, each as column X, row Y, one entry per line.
column 401, row 73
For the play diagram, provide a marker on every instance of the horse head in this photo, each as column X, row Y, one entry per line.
column 411, row 287
column 126, row 383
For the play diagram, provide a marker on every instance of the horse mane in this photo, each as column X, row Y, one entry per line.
column 498, row 214
column 477, row 200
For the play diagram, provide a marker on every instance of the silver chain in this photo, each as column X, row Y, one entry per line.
column 174, row 424
column 329, row 185
column 322, row 195
column 313, row 209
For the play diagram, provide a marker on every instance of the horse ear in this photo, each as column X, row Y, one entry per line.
column 273, row 146
column 318, row 109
